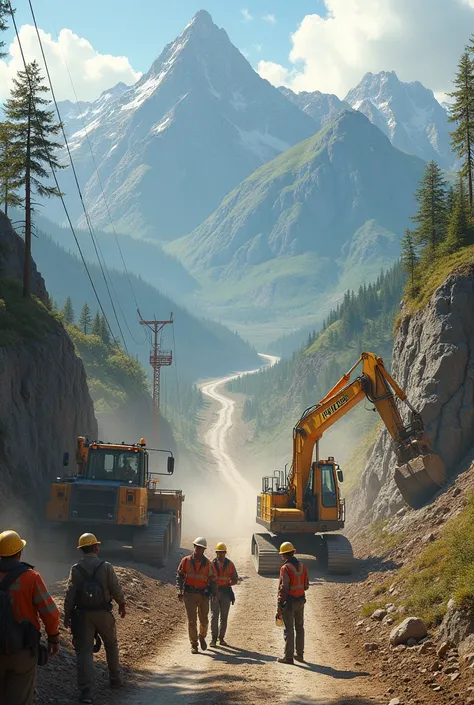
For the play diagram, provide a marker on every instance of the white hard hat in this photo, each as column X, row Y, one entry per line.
column 200, row 541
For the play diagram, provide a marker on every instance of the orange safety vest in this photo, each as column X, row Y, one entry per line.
column 224, row 578
column 298, row 578
column 196, row 576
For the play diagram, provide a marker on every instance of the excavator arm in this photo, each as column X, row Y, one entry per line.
column 419, row 473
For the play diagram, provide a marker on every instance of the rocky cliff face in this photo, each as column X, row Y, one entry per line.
column 44, row 400
column 433, row 360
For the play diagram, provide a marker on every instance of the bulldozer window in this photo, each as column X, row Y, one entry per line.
column 328, row 486
column 115, row 466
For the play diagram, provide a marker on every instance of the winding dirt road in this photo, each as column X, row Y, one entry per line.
column 247, row 673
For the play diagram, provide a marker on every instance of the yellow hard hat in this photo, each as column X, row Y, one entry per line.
column 287, row 547
column 221, row 547
column 87, row 540
column 10, row 544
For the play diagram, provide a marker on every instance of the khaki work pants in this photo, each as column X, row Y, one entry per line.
column 220, row 608
column 197, row 604
column 293, row 619
column 91, row 622
column 18, row 677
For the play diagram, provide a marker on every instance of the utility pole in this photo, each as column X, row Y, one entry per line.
column 158, row 359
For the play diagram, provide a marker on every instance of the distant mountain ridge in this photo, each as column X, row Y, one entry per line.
column 408, row 113
column 174, row 144
column 326, row 214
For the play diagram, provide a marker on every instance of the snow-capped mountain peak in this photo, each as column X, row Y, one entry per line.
column 194, row 126
column 408, row 113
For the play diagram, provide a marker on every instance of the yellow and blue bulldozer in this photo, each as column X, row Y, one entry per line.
column 115, row 494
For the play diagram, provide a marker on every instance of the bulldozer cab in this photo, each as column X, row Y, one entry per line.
column 127, row 465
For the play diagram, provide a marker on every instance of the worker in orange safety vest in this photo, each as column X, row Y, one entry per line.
column 196, row 583
column 293, row 584
column 226, row 578
column 24, row 601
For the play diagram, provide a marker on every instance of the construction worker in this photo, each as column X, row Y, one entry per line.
column 24, row 601
column 226, row 578
column 196, row 581
column 293, row 584
column 92, row 586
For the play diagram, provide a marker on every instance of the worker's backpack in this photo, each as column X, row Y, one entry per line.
column 12, row 633
column 90, row 595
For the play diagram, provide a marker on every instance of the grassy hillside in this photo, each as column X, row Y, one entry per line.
column 321, row 218
column 22, row 321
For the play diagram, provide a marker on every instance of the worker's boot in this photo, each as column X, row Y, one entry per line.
column 213, row 643
column 203, row 643
column 194, row 649
column 85, row 696
column 299, row 658
column 223, row 642
column 116, row 682
column 289, row 661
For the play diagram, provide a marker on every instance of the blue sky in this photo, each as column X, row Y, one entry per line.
column 140, row 29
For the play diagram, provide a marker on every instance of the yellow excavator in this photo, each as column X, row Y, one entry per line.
column 114, row 493
column 304, row 505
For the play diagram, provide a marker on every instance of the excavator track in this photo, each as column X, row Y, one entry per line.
column 340, row 556
column 151, row 545
column 265, row 554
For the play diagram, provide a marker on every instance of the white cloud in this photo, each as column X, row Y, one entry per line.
column 419, row 39
column 91, row 72
column 246, row 15
column 271, row 19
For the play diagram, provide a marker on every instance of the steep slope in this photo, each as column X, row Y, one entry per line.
column 173, row 145
column 324, row 216
column 204, row 348
column 322, row 107
column 45, row 401
column 408, row 113
column 433, row 359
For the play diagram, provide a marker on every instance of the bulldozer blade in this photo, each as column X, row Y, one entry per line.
column 420, row 478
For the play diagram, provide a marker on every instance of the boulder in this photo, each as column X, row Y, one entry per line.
column 410, row 628
column 457, row 625
column 466, row 650
column 379, row 614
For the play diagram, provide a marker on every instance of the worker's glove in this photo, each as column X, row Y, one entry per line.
column 214, row 599
column 180, row 596
column 122, row 610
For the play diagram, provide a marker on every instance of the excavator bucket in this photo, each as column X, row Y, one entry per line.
column 420, row 478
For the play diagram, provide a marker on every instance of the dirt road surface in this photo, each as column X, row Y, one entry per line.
column 247, row 672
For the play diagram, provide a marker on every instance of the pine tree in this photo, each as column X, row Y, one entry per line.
column 4, row 14
column 104, row 331
column 431, row 216
column 450, row 201
column 460, row 230
column 462, row 113
column 68, row 312
column 85, row 320
column 96, row 326
column 35, row 130
column 410, row 259
column 10, row 167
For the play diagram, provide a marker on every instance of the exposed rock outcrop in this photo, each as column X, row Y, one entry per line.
column 44, row 400
column 433, row 360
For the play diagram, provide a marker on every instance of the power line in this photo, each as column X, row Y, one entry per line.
column 99, row 179
column 86, row 214
column 53, row 171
